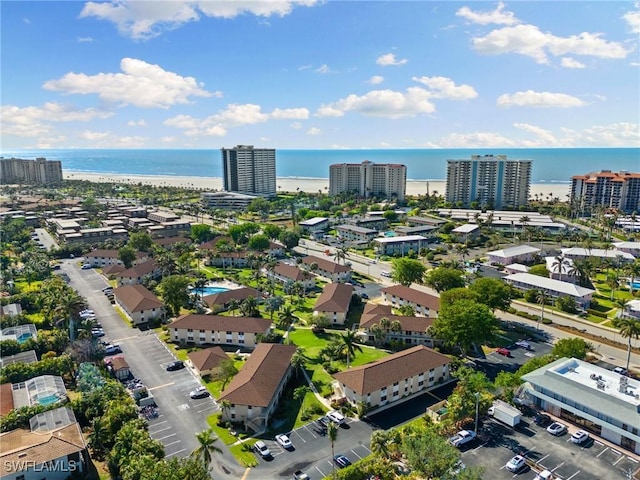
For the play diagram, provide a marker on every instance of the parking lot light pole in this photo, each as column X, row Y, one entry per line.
column 477, row 394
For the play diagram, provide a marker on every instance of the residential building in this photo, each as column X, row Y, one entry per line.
column 255, row 391
column 553, row 288
column 41, row 390
column 53, row 448
column 284, row 274
column 427, row 231
column 227, row 200
column 518, row 254
column 632, row 248
column 561, row 268
column 412, row 331
column 327, row 269
column 315, row 226
column 388, row 180
column 353, row 233
column 196, row 329
column 598, row 400
column 607, row 189
column 140, row 305
column 162, row 216
column 599, row 253
column 398, row 376
column 92, row 235
column 632, row 309
column 249, row 170
column 422, row 303
column 101, row 258
column 399, row 245
column 492, row 181
column 31, row 172
column 465, row 232
column 227, row 259
column 373, row 222
column 415, row 221
column 218, row 302
column 333, row 302
column 175, row 228
column 149, row 270
column 207, row 361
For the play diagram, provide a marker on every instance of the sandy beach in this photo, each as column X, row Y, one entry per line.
column 289, row 184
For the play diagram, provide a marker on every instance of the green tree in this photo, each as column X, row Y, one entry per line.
column 429, row 454
column 390, row 215
column 206, row 447
column 271, row 231
column 571, row 348
column 299, row 360
column 261, row 206
column 258, row 242
column 201, row 233
column 227, row 370
column 174, row 293
column 534, row 364
column 287, row 316
column 146, row 468
column 289, row 238
column 629, row 329
column 442, row 279
column 127, row 255
column 494, row 293
column 348, row 344
column 406, row 271
column 461, row 293
column 539, row 270
column 464, row 323
column 332, row 435
column 140, row 241
column 300, row 393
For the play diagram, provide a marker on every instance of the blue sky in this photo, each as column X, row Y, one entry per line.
column 312, row 74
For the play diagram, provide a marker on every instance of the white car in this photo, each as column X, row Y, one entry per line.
column 112, row 349
column 557, row 429
column 580, row 437
column 262, row 449
column 336, row 417
column 462, row 437
column 284, row 441
column 199, row 392
column 516, row 463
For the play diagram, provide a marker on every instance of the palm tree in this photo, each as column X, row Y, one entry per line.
column 225, row 405
column 287, row 317
column 69, row 304
column 613, row 283
column 341, row 253
column 332, row 435
column 559, row 264
column 541, row 298
column 206, row 448
column 629, row 328
column 299, row 393
column 348, row 344
column 233, row 304
column 633, row 269
column 379, row 443
column 524, row 222
column 298, row 360
column 385, row 324
column 249, row 307
column 378, row 334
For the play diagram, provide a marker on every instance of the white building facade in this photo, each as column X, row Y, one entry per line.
column 369, row 179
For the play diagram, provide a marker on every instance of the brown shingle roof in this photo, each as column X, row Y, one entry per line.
column 169, row 241
column 118, row 363
column 414, row 296
column 113, row 270
column 334, row 298
column 140, row 270
column 326, row 265
column 223, row 298
column 6, row 398
column 208, row 358
column 219, row 323
column 212, row 244
column 136, row 298
column 291, row 272
column 110, row 254
column 258, row 380
column 373, row 313
column 386, row 371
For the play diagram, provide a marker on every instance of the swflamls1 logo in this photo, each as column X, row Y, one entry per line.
column 52, row 466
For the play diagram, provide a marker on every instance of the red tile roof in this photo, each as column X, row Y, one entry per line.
column 136, row 298
column 414, row 296
column 292, row 273
column 335, row 297
column 219, row 323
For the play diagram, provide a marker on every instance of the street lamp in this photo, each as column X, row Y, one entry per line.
column 477, row 394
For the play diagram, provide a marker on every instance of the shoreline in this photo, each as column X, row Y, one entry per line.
column 286, row 184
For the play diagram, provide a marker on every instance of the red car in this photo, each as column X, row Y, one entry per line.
column 504, row 351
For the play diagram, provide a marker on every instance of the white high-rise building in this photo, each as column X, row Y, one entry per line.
column 369, row 179
column 492, row 181
column 249, row 170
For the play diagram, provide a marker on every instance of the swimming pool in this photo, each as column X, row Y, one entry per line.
column 48, row 399
column 210, row 289
column 23, row 338
column 634, row 285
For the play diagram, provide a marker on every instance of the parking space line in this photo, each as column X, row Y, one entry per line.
column 172, row 443
column 569, row 478
column 300, row 436
column 174, row 453
column 543, row 458
column 161, row 430
column 166, row 436
column 632, row 459
column 621, row 457
column 159, row 423
column 354, row 452
column 557, row 467
column 602, row 452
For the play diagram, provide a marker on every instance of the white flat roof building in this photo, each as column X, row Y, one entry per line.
column 466, row 228
column 579, row 252
column 554, row 288
column 601, row 401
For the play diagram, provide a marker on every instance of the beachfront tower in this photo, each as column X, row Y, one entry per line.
column 249, row 170
column 31, row 172
column 386, row 180
column 490, row 180
column 607, row 189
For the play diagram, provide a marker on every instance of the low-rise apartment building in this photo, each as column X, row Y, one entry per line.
column 410, row 330
column 327, row 269
column 519, row 254
column 149, row 270
column 334, row 302
column 101, row 258
column 140, row 305
column 423, row 303
column 553, row 288
column 395, row 377
column 353, row 233
column 400, row 245
column 196, row 329
column 284, row 274
column 315, row 226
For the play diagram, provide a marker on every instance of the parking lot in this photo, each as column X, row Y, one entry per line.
column 593, row 460
column 312, row 451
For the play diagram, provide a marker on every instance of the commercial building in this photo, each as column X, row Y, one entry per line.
column 399, row 245
column 492, row 181
column 368, row 179
column 32, row 172
column 249, row 170
column 598, row 400
column 615, row 190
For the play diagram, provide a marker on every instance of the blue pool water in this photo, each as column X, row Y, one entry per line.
column 634, row 285
column 23, row 338
column 211, row 290
column 47, row 400
column 389, row 234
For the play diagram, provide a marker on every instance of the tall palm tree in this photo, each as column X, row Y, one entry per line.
column 287, row 316
column 332, row 435
column 233, row 304
column 225, row 405
column 206, row 447
column 299, row 393
column 249, row 307
column 379, row 443
column 629, row 328
column 559, row 264
column 633, row 269
column 541, row 298
column 349, row 345
column 69, row 304
column 298, row 360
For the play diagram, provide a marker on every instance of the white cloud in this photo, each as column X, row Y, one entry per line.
column 539, row 99
column 613, row 135
column 111, row 140
column 376, row 80
column 137, row 123
column 84, row 39
column 544, row 138
column 94, row 136
column 51, row 142
column 498, row 16
column 528, row 40
column 144, row 19
column 382, row 103
column 233, row 116
column 314, row 131
column 296, row 125
column 141, row 84
column 569, row 62
column 390, row 59
column 633, row 20
column 30, row 121
column 168, row 139
column 476, row 140
column 324, row 68
column 443, row 87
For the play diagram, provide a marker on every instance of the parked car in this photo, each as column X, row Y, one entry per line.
column 262, row 449
column 177, row 365
column 300, row 475
column 364, row 295
column 385, row 273
column 542, row 419
column 86, row 266
column 462, row 437
column 112, row 349
column 504, row 351
column 341, row 461
column 524, row 344
column 580, row 437
column 336, row 417
column 200, row 392
column 97, row 332
column 284, row 442
column 516, row 463
column 620, row 370
column 557, row 429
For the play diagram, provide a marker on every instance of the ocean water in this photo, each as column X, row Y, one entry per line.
column 550, row 165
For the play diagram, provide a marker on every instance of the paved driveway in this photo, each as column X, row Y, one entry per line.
column 180, row 417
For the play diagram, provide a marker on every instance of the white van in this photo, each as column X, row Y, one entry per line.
column 384, row 273
column 544, row 475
